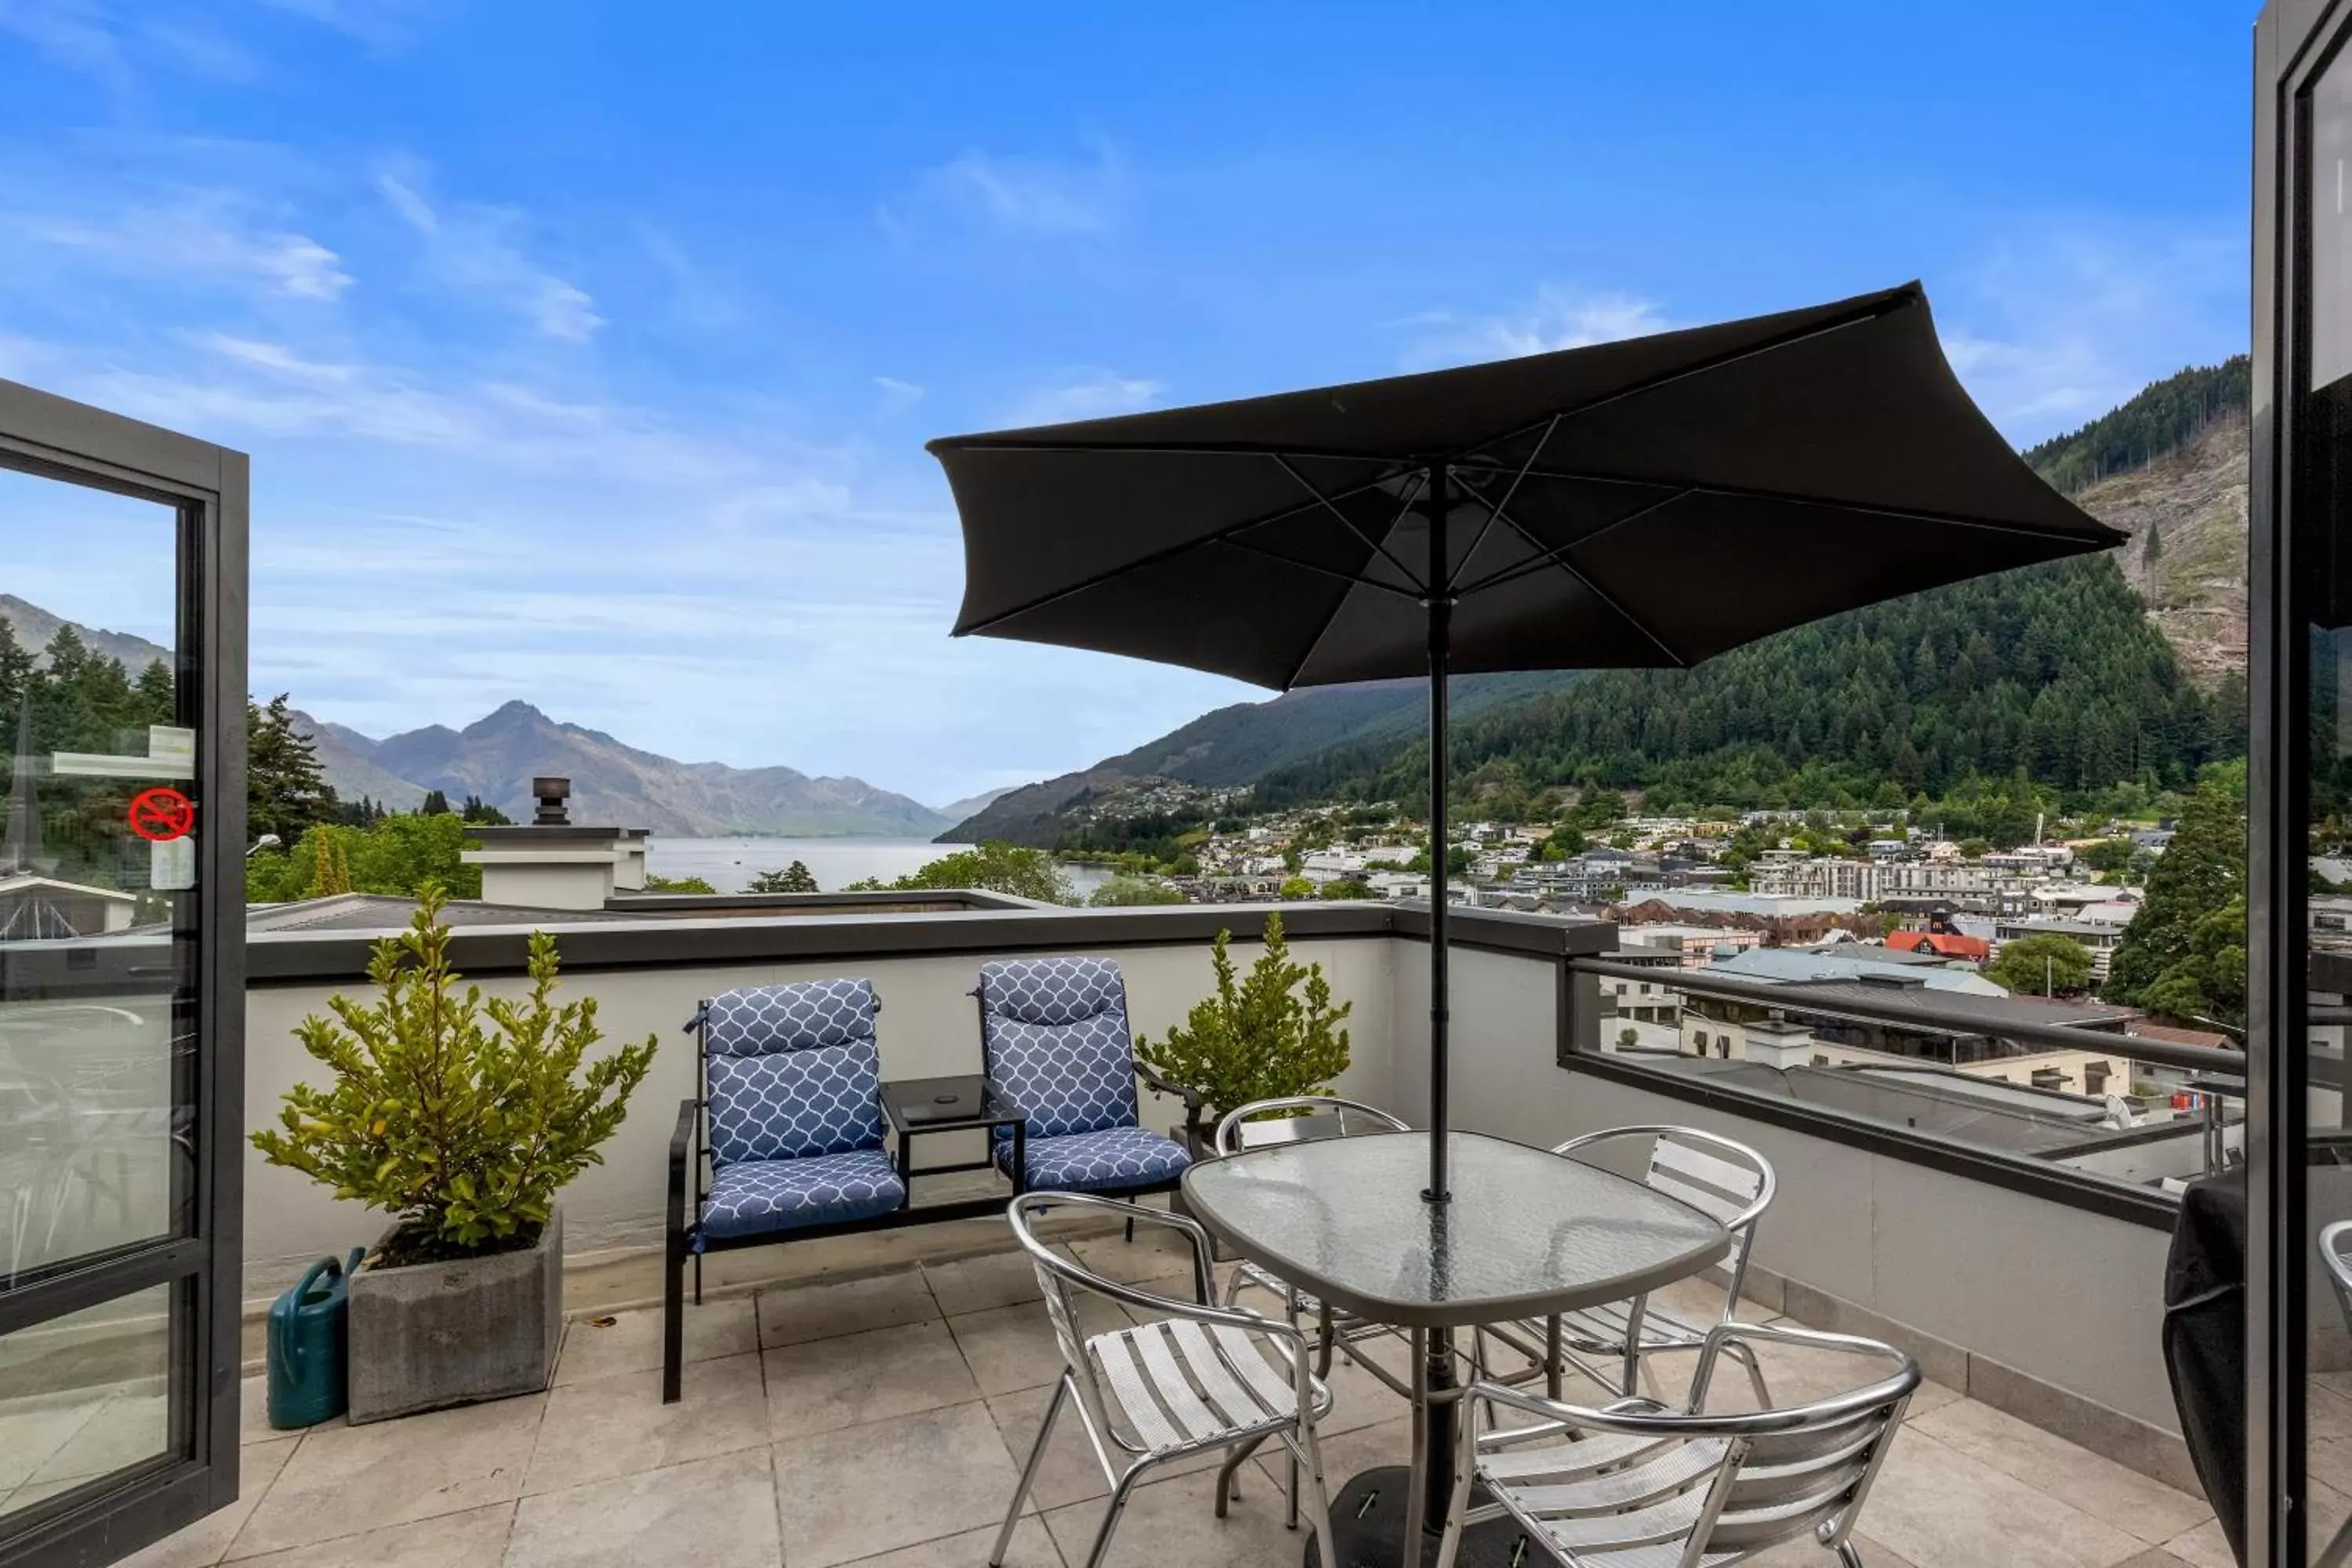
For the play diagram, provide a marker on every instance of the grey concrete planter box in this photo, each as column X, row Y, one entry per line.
column 432, row 1334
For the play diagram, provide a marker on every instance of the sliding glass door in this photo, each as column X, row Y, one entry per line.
column 121, row 826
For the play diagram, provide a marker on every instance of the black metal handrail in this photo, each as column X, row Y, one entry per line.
column 1907, row 1010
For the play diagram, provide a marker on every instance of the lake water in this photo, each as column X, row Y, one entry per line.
column 728, row 864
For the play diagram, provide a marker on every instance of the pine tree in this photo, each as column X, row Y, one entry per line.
column 434, row 804
column 286, row 789
column 2202, row 873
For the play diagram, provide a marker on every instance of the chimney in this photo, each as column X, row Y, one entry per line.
column 553, row 863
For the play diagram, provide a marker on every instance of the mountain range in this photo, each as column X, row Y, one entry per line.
column 496, row 757
column 2168, row 467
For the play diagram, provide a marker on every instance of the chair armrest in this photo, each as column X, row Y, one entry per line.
column 681, row 1149
column 1191, row 1097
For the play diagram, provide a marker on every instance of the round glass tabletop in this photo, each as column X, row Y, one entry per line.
column 1526, row 1232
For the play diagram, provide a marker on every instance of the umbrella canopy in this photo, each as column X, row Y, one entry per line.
column 1648, row 502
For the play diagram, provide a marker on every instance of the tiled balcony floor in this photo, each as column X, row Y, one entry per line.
column 881, row 1422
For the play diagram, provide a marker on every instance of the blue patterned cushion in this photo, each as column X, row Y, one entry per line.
column 792, row 1071
column 1054, row 1033
column 768, row 1019
column 761, row 1195
column 1110, row 1159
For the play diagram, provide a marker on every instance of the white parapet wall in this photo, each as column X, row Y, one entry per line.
column 928, row 1027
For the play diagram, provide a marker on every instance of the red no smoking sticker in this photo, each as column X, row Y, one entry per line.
column 162, row 814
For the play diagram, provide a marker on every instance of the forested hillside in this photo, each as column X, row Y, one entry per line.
column 2055, row 670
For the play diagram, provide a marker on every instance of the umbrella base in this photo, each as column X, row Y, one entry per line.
column 1368, row 1518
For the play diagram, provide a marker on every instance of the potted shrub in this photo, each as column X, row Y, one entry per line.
column 1274, row 1032
column 461, row 1118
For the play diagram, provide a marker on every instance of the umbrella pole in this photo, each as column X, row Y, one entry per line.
column 1441, row 617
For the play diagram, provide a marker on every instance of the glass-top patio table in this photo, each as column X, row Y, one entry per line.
column 1525, row 1234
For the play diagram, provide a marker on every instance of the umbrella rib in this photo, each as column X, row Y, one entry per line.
column 1413, row 593
column 1595, row 589
column 1495, row 510
column 1757, row 492
column 1553, row 556
column 1715, row 362
column 1153, row 559
column 1411, row 493
column 1352, row 527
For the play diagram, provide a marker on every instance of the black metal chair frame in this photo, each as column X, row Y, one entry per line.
column 682, row 1230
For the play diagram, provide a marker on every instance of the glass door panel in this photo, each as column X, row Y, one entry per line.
column 84, row 1396
column 99, row 829
column 2322, row 507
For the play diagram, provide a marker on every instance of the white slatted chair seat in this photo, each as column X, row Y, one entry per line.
column 1727, row 1181
column 1178, row 1384
column 1640, row 1486
column 1195, row 1377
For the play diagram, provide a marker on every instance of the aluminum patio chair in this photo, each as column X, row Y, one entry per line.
column 1197, row 1378
column 1638, row 1485
column 1256, row 1126
column 1718, row 1175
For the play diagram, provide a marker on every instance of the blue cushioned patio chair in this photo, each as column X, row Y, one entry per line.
column 1055, row 1041
column 790, row 1117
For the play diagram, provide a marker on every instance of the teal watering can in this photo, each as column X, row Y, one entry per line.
column 307, row 1373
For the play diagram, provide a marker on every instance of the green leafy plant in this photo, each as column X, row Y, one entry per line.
column 994, row 866
column 1274, row 1033
column 462, row 1116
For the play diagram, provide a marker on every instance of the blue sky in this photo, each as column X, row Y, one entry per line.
column 586, row 353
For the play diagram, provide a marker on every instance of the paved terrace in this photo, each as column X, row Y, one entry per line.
column 880, row 1421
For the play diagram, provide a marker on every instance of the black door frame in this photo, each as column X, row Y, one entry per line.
column 206, row 486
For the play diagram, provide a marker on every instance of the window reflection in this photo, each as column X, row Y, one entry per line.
column 97, row 876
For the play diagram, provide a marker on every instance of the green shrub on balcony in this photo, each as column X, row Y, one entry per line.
column 1274, row 1033
column 460, row 1116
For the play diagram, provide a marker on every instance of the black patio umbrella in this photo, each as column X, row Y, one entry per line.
column 1648, row 502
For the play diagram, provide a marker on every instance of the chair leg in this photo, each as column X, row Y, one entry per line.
column 2337, row 1550
column 673, row 1320
column 1319, row 1494
column 1747, row 1358
column 1118, row 1505
column 1847, row 1556
column 697, row 1279
column 1554, row 1374
column 1234, row 1460
column 1029, row 1471
column 1131, row 1227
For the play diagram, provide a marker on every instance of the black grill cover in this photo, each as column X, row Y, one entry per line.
column 2205, row 1342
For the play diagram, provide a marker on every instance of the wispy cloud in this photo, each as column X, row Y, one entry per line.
column 1085, row 395
column 1558, row 316
column 2063, row 320
column 897, row 396
column 1028, row 195
column 194, row 233
column 476, row 251
column 381, row 24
